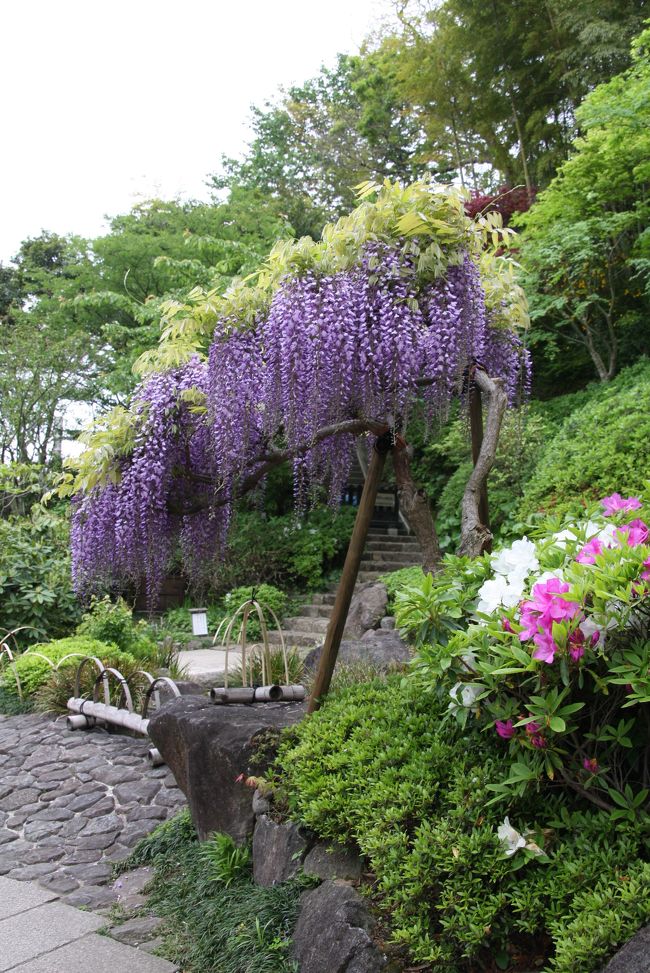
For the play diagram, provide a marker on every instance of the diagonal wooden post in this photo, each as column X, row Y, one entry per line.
column 345, row 590
column 476, row 428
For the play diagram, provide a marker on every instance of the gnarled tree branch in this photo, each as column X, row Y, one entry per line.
column 268, row 461
column 475, row 536
column 415, row 505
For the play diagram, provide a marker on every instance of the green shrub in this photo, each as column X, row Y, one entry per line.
column 380, row 766
column 399, row 579
column 60, row 684
column 112, row 621
column 601, row 447
column 268, row 596
column 34, row 671
column 285, row 551
column 35, row 581
column 216, row 918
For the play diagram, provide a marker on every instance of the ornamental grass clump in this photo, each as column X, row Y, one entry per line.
column 554, row 658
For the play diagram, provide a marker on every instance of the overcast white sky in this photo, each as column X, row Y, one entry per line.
column 107, row 102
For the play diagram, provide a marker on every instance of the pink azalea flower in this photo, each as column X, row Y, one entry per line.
column 615, row 503
column 538, row 741
column 546, row 647
column 506, row 625
column 646, row 574
column 505, row 729
column 636, row 532
column 588, row 553
column 532, row 728
column 590, row 764
column 577, row 644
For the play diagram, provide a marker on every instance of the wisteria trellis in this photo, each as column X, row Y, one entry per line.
column 367, row 342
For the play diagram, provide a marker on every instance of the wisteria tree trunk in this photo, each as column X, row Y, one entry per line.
column 475, row 536
column 414, row 504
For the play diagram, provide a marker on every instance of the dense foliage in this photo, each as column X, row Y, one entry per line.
column 380, row 767
column 586, row 240
column 35, row 583
column 600, row 447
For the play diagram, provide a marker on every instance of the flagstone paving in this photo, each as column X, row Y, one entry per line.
column 40, row 934
column 73, row 803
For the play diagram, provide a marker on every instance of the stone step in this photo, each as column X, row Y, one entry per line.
column 297, row 639
column 394, row 557
column 325, row 598
column 369, row 576
column 305, row 624
column 392, row 545
column 384, row 567
column 315, row 611
column 377, row 532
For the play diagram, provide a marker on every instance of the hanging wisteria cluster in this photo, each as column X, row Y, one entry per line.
column 366, row 343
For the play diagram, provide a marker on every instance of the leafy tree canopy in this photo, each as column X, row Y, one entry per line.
column 587, row 249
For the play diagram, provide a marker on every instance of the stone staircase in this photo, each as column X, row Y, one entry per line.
column 386, row 550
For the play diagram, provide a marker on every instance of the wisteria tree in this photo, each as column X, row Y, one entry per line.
column 402, row 306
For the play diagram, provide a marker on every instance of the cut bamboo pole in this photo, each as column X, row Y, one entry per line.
column 349, row 574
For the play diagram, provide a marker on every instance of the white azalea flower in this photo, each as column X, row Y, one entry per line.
column 500, row 592
column 464, row 694
column 558, row 574
column 512, row 841
column 510, row 838
column 517, row 560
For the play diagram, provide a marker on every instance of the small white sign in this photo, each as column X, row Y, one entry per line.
column 199, row 621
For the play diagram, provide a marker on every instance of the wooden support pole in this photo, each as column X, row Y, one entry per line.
column 476, row 427
column 349, row 574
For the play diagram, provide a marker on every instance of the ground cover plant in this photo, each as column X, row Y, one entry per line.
column 46, row 674
column 216, row 919
column 600, row 447
column 463, row 884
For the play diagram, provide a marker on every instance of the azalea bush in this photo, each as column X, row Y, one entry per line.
column 553, row 655
column 459, row 883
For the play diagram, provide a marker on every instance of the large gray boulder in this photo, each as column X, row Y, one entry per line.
column 332, row 934
column 278, row 851
column 367, row 608
column 328, row 861
column 380, row 649
column 208, row 747
column 634, row 957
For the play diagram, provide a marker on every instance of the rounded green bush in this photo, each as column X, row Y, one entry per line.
column 601, row 447
column 33, row 670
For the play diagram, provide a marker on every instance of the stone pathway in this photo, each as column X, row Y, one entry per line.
column 72, row 803
column 41, row 934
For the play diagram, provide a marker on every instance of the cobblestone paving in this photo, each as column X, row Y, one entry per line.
column 72, row 803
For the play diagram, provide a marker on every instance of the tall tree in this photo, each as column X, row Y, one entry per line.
column 324, row 137
column 586, row 245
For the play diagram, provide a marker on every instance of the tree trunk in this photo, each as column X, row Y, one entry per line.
column 475, row 536
column 415, row 504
